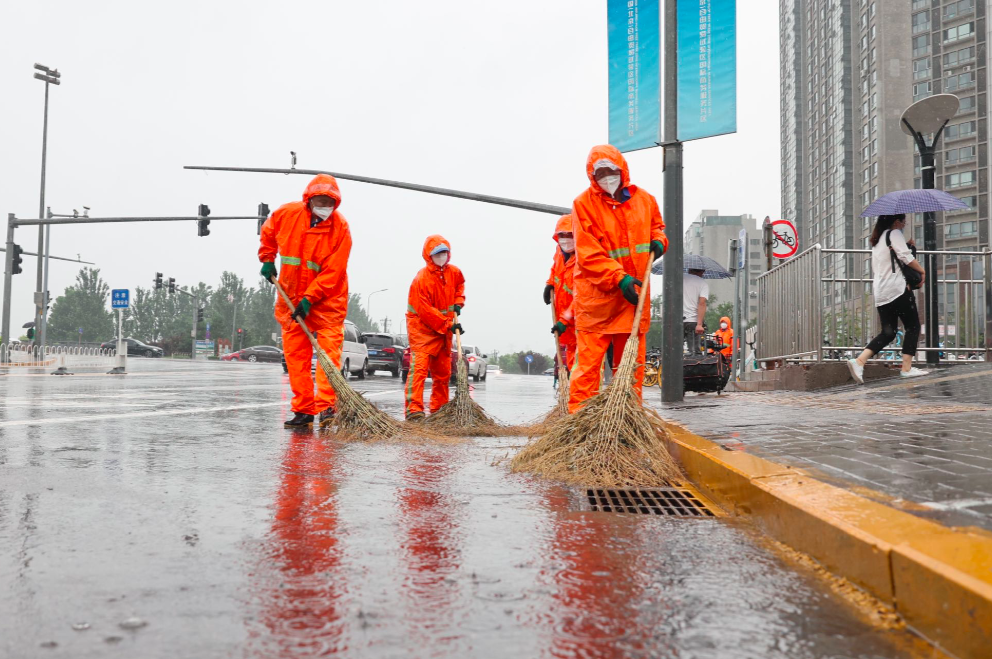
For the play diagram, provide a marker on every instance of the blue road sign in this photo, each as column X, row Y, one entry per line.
column 120, row 298
column 529, row 358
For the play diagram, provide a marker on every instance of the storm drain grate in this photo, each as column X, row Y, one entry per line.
column 665, row 501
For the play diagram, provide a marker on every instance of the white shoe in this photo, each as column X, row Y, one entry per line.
column 857, row 370
column 914, row 373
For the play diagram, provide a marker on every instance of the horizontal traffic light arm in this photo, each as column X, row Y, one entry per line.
column 18, row 222
column 60, row 258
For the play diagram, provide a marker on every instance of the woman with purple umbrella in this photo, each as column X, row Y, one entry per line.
column 894, row 299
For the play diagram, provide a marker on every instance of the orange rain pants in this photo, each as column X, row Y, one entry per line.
column 298, row 351
column 439, row 367
column 586, row 373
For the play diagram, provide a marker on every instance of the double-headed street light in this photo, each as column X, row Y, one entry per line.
column 925, row 117
column 49, row 77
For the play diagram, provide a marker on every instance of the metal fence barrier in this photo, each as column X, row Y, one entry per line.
column 807, row 312
column 24, row 356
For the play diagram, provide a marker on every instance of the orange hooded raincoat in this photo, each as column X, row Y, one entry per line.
column 561, row 278
column 725, row 337
column 430, row 313
column 313, row 264
column 612, row 239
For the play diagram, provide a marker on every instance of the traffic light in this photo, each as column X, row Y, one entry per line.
column 239, row 331
column 199, row 315
column 158, row 281
column 203, row 224
column 263, row 214
column 16, row 260
column 172, row 284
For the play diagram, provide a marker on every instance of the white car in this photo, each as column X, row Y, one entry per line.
column 354, row 352
column 476, row 362
column 493, row 368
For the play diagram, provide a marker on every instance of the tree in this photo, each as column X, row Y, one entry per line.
column 653, row 339
column 537, row 366
column 358, row 315
column 83, row 305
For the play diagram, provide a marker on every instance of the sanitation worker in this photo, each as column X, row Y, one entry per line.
column 618, row 230
column 725, row 336
column 437, row 296
column 560, row 283
column 313, row 241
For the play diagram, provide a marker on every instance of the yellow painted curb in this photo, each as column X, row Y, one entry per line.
column 938, row 578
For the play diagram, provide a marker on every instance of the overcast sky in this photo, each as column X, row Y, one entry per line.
column 502, row 98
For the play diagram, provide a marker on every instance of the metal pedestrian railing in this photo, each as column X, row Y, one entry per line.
column 819, row 306
column 25, row 356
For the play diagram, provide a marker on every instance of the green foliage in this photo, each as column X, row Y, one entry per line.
column 516, row 363
column 83, row 305
column 358, row 315
column 653, row 338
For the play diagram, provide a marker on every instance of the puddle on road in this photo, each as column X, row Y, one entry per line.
column 429, row 551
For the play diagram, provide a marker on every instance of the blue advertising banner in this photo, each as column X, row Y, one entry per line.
column 707, row 68
column 635, row 73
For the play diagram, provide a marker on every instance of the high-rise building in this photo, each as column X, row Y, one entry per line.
column 710, row 235
column 849, row 69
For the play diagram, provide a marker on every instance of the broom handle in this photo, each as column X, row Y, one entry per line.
column 554, row 319
column 292, row 310
column 643, row 294
column 458, row 340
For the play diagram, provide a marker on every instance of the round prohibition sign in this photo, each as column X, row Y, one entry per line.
column 785, row 239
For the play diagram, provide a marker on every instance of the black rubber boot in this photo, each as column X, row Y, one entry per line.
column 327, row 418
column 300, row 420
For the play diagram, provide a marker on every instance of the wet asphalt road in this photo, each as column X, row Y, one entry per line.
column 172, row 501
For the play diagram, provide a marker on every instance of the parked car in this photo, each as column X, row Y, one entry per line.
column 354, row 354
column 454, row 362
column 476, row 362
column 385, row 352
column 134, row 348
column 255, row 354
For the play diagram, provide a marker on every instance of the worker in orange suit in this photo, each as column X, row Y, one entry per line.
column 560, row 283
column 725, row 336
column 618, row 230
column 437, row 296
column 313, row 241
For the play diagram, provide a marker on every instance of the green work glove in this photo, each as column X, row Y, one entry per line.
column 302, row 309
column 457, row 327
column 269, row 270
column 627, row 288
column 559, row 328
column 458, row 309
column 657, row 248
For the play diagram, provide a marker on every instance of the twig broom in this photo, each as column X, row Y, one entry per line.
column 560, row 409
column 355, row 416
column 614, row 441
column 462, row 415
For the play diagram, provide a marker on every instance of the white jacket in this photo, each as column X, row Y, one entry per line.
column 888, row 285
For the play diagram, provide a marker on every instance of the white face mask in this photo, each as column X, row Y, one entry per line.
column 723, row 325
column 567, row 244
column 440, row 259
column 609, row 183
column 323, row 213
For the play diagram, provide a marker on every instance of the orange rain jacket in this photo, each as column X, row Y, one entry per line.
column 314, row 261
column 612, row 239
column 561, row 278
column 725, row 337
column 430, row 310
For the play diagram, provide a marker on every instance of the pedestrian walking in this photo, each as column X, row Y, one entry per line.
column 313, row 241
column 437, row 296
column 894, row 299
column 695, row 293
column 617, row 228
column 561, row 283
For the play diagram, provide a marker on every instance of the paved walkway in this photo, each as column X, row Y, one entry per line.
column 925, row 441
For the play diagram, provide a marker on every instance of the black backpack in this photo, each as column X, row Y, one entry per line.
column 913, row 278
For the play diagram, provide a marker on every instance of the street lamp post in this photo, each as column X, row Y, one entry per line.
column 49, row 77
column 922, row 118
column 368, row 302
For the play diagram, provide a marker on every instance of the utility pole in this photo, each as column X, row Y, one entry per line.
column 671, row 355
column 49, row 77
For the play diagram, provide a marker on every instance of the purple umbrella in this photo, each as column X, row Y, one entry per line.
column 913, row 201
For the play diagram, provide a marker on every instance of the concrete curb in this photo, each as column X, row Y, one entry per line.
column 939, row 579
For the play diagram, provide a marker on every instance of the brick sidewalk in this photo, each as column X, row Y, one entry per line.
column 926, row 441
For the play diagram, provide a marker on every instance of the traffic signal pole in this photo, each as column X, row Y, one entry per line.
column 8, row 277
